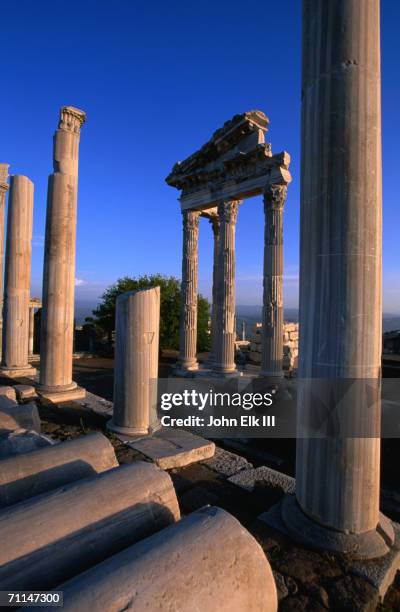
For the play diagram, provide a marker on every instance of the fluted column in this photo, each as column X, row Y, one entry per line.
column 337, row 475
column 214, row 220
column 57, row 327
column 17, row 279
column 226, row 295
column 272, row 317
column 188, row 323
column 31, row 330
column 3, row 191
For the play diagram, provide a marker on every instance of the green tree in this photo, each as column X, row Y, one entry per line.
column 103, row 319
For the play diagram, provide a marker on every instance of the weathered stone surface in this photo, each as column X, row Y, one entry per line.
column 8, row 392
column 226, row 463
column 206, row 561
column 33, row 473
column 85, row 522
column 24, row 392
column 21, row 441
column 17, row 416
column 3, row 190
column 17, row 279
column 272, row 478
column 170, row 448
column 136, row 362
column 57, row 323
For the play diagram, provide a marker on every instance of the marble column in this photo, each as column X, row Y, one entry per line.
column 17, row 279
column 272, row 316
column 214, row 220
column 3, row 191
column 31, row 330
column 337, row 484
column 57, row 326
column 226, row 295
column 187, row 361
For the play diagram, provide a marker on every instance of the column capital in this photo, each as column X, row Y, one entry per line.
column 191, row 219
column 71, row 119
column 4, row 176
column 228, row 210
column 275, row 196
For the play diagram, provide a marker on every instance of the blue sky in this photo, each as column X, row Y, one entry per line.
column 156, row 79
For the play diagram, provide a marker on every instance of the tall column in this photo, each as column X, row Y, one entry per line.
column 17, row 279
column 337, row 484
column 187, row 361
column 57, row 327
column 272, row 318
column 31, row 330
column 214, row 220
column 3, row 191
column 226, row 295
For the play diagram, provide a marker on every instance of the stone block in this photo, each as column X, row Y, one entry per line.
column 24, row 476
column 206, row 561
column 256, row 357
column 226, row 463
column 24, row 392
column 17, row 416
column 8, row 392
column 51, row 538
column 247, row 479
column 21, row 441
column 170, row 448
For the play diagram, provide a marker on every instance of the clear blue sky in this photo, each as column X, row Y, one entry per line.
column 156, row 79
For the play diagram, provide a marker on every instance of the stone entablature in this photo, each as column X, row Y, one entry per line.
column 236, row 163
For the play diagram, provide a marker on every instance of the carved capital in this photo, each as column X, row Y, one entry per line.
column 4, row 176
column 228, row 211
column 214, row 221
column 190, row 219
column 71, row 119
column 275, row 197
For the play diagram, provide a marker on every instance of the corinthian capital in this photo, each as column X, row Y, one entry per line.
column 228, row 211
column 190, row 219
column 71, row 119
column 4, row 176
column 275, row 197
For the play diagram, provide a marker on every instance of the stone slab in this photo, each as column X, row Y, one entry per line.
column 18, row 416
column 24, row 392
column 226, row 463
column 171, row 448
column 63, row 396
column 246, row 479
column 22, row 372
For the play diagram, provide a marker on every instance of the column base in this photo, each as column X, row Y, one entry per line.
column 185, row 368
column 129, row 432
column 368, row 545
column 28, row 371
column 62, row 393
column 225, row 372
column 273, row 375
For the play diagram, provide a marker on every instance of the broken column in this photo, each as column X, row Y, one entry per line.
column 337, row 475
column 57, row 325
column 214, row 220
column 272, row 313
column 226, row 296
column 86, row 522
column 17, row 279
column 3, row 191
column 136, row 362
column 206, row 561
column 187, row 361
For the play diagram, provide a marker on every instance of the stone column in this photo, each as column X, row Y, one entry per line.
column 337, row 484
column 214, row 220
column 136, row 362
column 17, row 279
column 272, row 318
column 3, row 191
column 31, row 330
column 57, row 327
column 226, row 295
column 187, row 361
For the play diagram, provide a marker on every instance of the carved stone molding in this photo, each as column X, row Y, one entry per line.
column 275, row 197
column 71, row 119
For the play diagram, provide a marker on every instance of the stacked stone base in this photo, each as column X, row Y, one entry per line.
column 290, row 346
